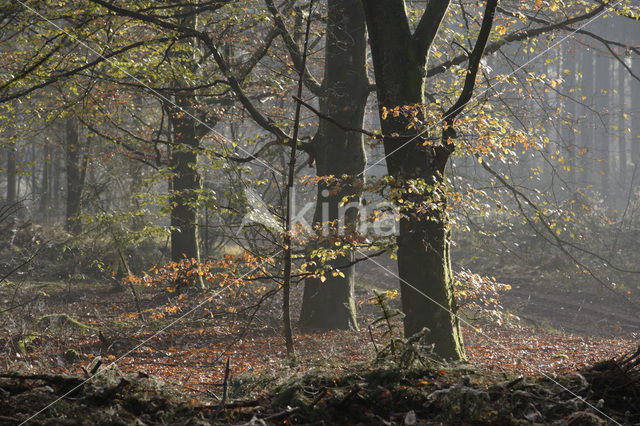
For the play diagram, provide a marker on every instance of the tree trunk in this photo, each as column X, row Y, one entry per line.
column 45, row 193
column 400, row 61
column 185, row 183
column 56, row 184
column 330, row 305
column 75, row 177
column 34, row 172
column 11, row 174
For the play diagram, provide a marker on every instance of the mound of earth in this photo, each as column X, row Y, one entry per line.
column 383, row 394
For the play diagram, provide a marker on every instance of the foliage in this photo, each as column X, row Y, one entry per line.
column 481, row 294
column 118, row 70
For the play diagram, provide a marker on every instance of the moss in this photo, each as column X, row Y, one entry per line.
column 245, row 386
column 70, row 355
column 62, row 321
column 23, row 343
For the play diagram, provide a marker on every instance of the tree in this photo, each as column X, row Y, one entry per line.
column 338, row 152
column 76, row 167
column 185, row 184
column 400, row 60
column 11, row 174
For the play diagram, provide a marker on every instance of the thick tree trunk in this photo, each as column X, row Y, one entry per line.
column 185, row 183
column 75, row 177
column 330, row 305
column 400, row 61
column 424, row 263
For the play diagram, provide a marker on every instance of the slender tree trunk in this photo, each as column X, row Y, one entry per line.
column 34, row 173
column 634, row 120
column 75, row 177
column 330, row 305
column 56, row 184
column 622, row 153
column 602, row 139
column 135, row 173
column 11, row 174
column 45, row 193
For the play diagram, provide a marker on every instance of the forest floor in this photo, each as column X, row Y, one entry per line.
column 96, row 361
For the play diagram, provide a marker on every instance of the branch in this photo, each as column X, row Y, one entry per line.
column 429, row 25
column 34, row 66
column 446, row 148
column 389, row 32
column 474, row 63
column 335, row 122
column 257, row 55
column 102, row 57
column 294, row 50
column 138, row 155
column 559, row 242
column 263, row 121
column 23, row 264
column 607, row 43
column 512, row 37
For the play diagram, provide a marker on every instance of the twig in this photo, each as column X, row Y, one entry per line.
column 372, row 340
column 95, row 368
column 287, row 239
column 26, row 262
column 336, row 122
column 281, row 414
column 353, row 392
column 321, row 394
column 20, row 304
column 225, row 383
column 555, row 239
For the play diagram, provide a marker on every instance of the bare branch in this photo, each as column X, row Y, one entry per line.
column 294, row 50
column 513, row 37
column 429, row 25
column 336, row 122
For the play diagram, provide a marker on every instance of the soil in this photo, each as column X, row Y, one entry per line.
column 586, row 309
column 388, row 394
column 171, row 370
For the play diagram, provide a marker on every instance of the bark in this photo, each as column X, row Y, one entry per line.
column 185, row 183
column 330, row 305
column 11, row 175
column 423, row 246
column 45, row 193
column 56, row 184
column 34, row 174
column 75, row 170
column 400, row 66
column 291, row 172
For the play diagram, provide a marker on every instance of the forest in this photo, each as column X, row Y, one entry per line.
column 261, row 212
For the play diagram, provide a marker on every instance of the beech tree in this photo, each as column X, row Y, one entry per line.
column 338, row 152
column 185, row 183
column 184, row 65
column 76, row 171
column 400, row 60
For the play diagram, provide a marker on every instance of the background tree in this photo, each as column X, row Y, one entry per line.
column 340, row 153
